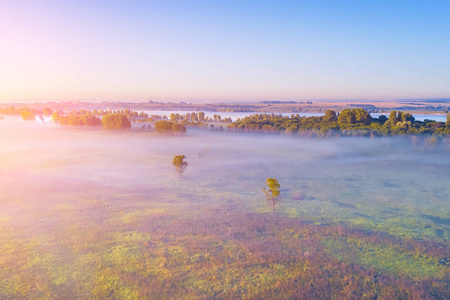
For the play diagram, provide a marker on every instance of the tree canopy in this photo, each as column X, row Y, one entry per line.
column 355, row 122
column 164, row 126
column 27, row 115
column 76, row 120
column 116, row 121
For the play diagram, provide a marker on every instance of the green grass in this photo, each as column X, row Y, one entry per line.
column 386, row 258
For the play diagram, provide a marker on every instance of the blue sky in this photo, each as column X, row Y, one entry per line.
column 221, row 51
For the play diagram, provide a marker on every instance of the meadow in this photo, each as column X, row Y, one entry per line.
column 87, row 213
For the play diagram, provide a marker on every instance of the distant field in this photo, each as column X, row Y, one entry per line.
column 414, row 106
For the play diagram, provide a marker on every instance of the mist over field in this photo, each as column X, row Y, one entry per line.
column 72, row 197
column 224, row 150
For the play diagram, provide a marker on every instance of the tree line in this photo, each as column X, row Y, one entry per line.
column 108, row 121
column 27, row 114
column 194, row 118
column 356, row 122
column 350, row 122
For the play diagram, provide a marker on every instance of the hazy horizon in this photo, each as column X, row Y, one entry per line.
column 444, row 99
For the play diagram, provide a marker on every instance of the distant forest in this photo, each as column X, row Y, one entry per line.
column 350, row 122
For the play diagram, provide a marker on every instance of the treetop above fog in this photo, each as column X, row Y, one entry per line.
column 116, row 121
column 355, row 121
column 164, row 126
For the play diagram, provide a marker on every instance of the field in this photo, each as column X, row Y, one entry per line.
column 96, row 214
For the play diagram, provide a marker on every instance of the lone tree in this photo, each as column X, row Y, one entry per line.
column 273, row 192
column 179, row 163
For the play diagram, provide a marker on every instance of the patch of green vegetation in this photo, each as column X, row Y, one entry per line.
column 405, row 227
column 388, row 258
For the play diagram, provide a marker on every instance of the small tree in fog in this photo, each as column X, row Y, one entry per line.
column 179, row 163
column 272, row 192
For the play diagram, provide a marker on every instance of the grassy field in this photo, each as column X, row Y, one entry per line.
column 93, row 214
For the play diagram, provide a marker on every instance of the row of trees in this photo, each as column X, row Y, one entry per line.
column 355, row 121
column 109, row 121
column 115, row 120
column 26, row 113
column 76, row 120
column 102, row 112
column 196, row 118
column 170, row 127
column 176, row 124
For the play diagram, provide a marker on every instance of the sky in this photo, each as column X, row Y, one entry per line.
column 224, row 51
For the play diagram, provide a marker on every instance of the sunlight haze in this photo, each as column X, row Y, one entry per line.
column 224, row 149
